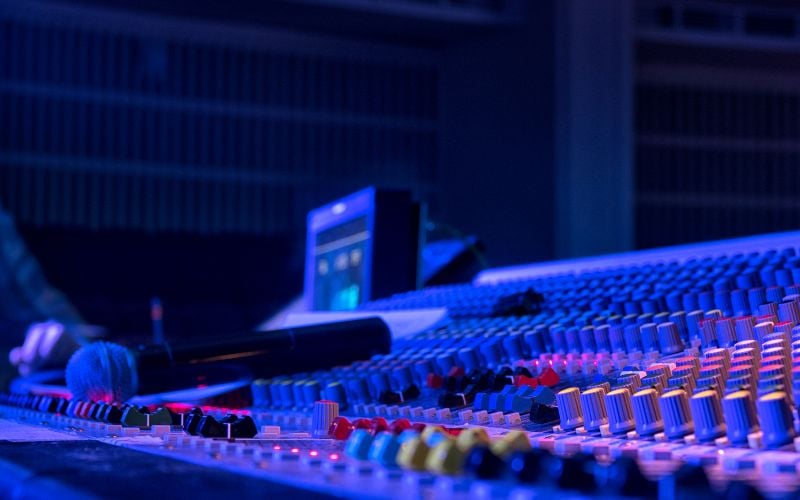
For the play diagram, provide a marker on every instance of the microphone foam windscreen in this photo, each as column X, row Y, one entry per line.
column 102, row 371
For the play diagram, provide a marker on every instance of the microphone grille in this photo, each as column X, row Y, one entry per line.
column 102, row 371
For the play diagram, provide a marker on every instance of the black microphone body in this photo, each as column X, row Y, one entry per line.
column 103, row 371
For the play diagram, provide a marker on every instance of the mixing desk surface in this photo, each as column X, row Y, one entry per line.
column 670, row 373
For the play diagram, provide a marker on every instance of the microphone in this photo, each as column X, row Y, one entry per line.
column 109, row 372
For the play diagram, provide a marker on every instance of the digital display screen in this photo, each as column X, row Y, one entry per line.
column 339, row 267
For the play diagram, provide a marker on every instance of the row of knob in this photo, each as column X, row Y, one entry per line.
column 737, row 285
column 696, row 397
column 193, row 421
column 472, row 453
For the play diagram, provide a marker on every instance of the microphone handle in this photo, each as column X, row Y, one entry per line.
column 261, row 354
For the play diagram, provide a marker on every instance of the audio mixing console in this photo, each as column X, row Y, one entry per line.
column 670, row 373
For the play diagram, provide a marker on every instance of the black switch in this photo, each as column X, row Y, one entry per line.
column 244, row 427
column 191, row 421
column 411, row 392
column 543, row 414
column 210, row 428
column 228, row 419
column 112, row 415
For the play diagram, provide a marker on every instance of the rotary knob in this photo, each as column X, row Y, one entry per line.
column 620, row 411
column 594, row 408
column 707, row 415
column 676, row 413
column 646, row 412
column 740, row 416
column 775, row 416
column 569, row 409
column 669, row 338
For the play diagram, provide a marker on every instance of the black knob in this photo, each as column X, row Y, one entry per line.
column 191, row 421
column 484, row 464
column 526, row 466
column 624, row 478
column 576, row 472
column 210, row 428
column 688, row 482
column 244, row 427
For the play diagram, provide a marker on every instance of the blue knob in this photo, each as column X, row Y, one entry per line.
column 706, row 300
column 601, row 338
column 403, row 377
column 789, row 311
column 726, row 332
column 514, row 345
column 492, row 350
column 774, row 294
column 740, row 302
column 669, row 338
column 679, row 318
column 745, row 328
column 469, row 358
column 587, row 339
column 534, row 341
column 312, row 391
column 649, row 336
column 775, row 415
column 445, row 362
column 690, row 301
column 422, row 368
column 334, row 391
column 616, row 336
column 286, row 394
column 692, row 320
column 558, row 338
column 358, row 388
column 756, row 297
column 379, row 382
column 633, row 339
column 708, row 333
column 573, row 341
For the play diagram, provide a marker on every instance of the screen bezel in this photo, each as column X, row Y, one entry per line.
column 358, row 204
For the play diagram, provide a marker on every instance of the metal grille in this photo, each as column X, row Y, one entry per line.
column 152, row 124
column 717, row 123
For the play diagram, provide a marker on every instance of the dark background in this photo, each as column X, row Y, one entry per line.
column 173, row 148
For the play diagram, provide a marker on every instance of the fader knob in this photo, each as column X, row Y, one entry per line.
column 775, row 416
column 569, row 409
column 707, row 415
column 646, row 412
